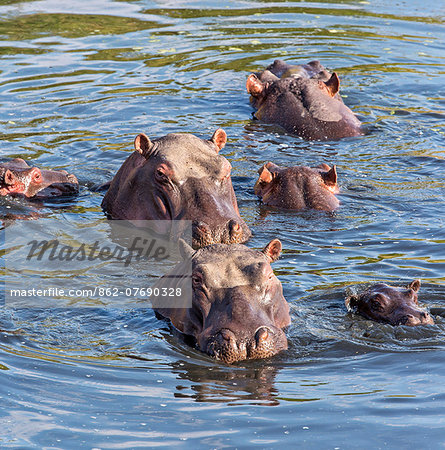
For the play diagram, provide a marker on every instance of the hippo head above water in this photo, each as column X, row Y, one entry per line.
column 18, row 178
column 179, row 177
column 298, row 187
column 392, row 305
column 303, row 99
column 237, row 306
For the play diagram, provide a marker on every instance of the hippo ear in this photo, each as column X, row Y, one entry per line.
column 265, row 174
column 330, row 177
column 273, row 250
column 254, row 86
column 9, row 177
column 323, row 166
column 414, row 285
column 143, row 145
column 219, row 138
column 333, row 84
column 185, row 250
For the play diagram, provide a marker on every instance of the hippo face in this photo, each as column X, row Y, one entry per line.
column 387, row 304
column 238, row 309
column 179, row 177
column 304, row 100
column 18, row 178
column 298, row 187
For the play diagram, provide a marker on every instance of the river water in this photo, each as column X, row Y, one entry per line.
column 79, row 81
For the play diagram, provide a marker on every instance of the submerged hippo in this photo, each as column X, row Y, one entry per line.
column 237, row 307
column 18, row 178
column 303, row 99
column 392, row 305
column 298, row 187
column 179, row 177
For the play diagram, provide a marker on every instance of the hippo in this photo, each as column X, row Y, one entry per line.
column 298, row 187
column 233, row 308
column 17, row 178
column 393, row 305
column 302, row 99
column 179, row 177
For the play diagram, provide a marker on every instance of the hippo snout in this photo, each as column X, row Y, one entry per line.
column 266, row 341
column 416, row 319
column 231, row 232
column 235, row 231
column 72, row 178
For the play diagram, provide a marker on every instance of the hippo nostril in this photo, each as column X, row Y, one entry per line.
column 425, row 317
column 233, row 225
column 227, row 335
column 235, row 229
column 262, row 335
column 410, row 320
column 201, row 234
column 72, row 178
column 201, row 228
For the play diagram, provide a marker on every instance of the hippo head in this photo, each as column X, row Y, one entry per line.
column 18, row 178
column 392, row 305
column 281, row 69
column 179, row 177
column 304, row 102
column 237, row 306
column 298, row 187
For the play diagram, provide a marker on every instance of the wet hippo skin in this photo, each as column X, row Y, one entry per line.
column 393, row 305
column 179, row 177
column 237, row 306
column 18, row 178
column 298, row 187
column 303, row 99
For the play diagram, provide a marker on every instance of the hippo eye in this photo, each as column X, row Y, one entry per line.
column 196, row 280
column 161, row 176
column 376, row 305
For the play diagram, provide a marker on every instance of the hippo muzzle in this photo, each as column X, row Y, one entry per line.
column 411, row 317
column 265, row 341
